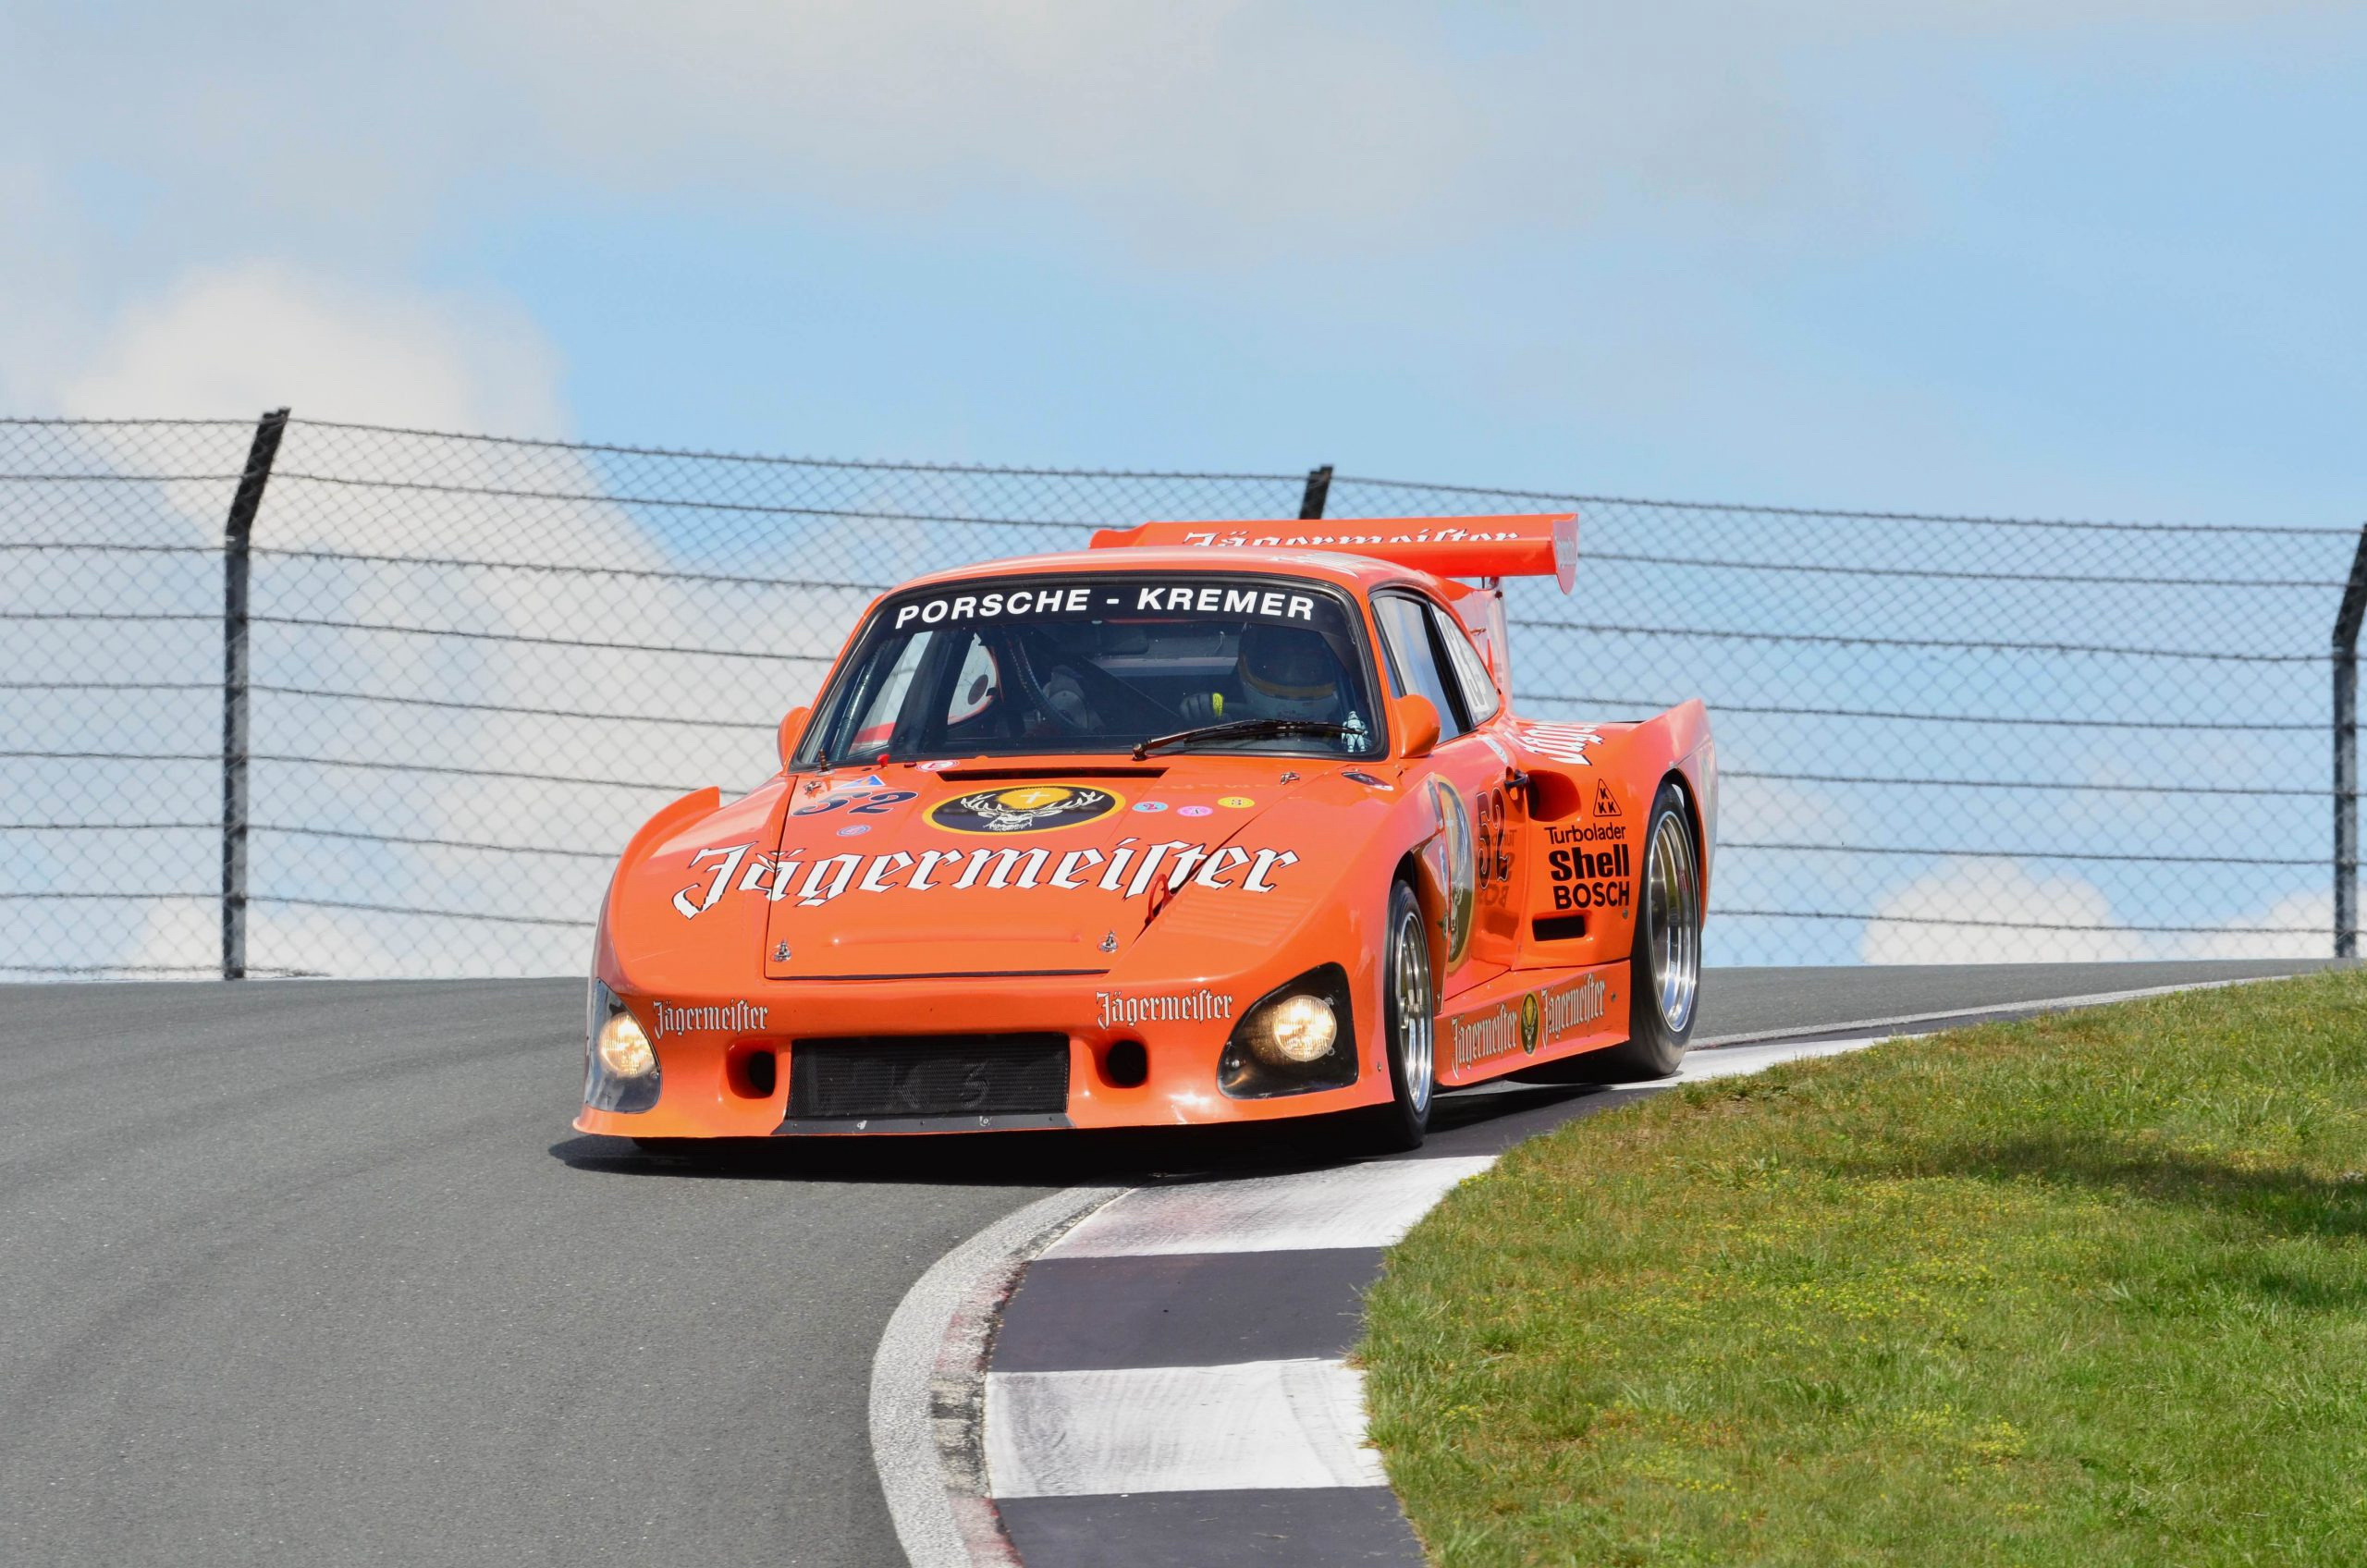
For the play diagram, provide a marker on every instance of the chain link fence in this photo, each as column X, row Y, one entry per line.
column 473, row 665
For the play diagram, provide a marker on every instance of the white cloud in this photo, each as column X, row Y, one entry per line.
column 238, row 339
column 1778, row 810
column 1996, row 911
column 234, row 339
column 1999, row 911
column 2297, row 925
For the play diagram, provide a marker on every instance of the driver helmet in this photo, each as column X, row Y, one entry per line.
column 1287, row 672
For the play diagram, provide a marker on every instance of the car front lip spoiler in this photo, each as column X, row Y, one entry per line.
column 842, row 1126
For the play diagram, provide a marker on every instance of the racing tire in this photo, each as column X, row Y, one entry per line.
column 1663, row 970
column 1409, row 1003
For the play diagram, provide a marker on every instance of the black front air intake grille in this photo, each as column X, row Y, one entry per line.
column 932, row 1075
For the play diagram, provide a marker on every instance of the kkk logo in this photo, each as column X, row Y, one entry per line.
column 1029, row 808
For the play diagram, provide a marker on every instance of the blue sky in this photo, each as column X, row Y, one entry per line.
column 2087, row 258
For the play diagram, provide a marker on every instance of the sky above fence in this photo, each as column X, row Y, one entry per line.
column 2073, row 258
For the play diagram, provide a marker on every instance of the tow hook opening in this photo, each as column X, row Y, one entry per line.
column 753, row 1071
column 1126, row 1064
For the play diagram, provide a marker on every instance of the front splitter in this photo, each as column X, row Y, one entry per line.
column 844, row 1126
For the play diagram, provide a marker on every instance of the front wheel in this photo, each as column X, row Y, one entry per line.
column 1409, row 1017
column 1664, row 969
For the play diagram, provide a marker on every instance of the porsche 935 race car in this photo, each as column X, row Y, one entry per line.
column 1206, row 823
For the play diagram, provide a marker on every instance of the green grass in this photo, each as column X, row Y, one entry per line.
column 2088, row 1290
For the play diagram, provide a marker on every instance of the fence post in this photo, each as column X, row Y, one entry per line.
column 2346, row 755
column 236, row 533
column 1319, row 490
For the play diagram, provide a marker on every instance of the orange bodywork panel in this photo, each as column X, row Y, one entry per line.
column 1128, row 912
column 1519, row 544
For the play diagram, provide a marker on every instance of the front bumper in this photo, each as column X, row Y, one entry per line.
column 733, row 1081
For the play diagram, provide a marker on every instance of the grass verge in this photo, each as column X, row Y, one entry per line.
column 2088, row 1290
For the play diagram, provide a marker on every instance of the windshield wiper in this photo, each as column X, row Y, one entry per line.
column 1243, row 729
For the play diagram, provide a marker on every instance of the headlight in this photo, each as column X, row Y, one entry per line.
column 1299, row 1037
column 624, row 1047
column 1292, row 1031
column 621, row 1069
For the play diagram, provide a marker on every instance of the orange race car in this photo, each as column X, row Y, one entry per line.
column 1212, row 822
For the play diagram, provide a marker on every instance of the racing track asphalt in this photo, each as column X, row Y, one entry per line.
column 315, row 1273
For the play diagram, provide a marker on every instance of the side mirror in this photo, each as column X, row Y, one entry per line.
column 1418, row 723
column 792, row 728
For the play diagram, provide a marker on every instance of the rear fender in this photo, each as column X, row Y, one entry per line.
column 1590, row 804
column 1680, row 743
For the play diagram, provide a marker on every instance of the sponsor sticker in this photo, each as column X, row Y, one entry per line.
column 1194, row 811
column 1150, row 806
column 1536, row 1020
column 1025, row 808
column 1221, row 598
column 1237, row 803
column 1453, row 861
column 1129, row 868
column 1073, row 599
column 854, row 830
column 1591, row 879
column 1563, row 742
column 965, row 609
column 1171, row 1007
column 1210, row 539
column 1605, row 802
column 1483, row 1036
column 1572, row 1006
column 735, row 1018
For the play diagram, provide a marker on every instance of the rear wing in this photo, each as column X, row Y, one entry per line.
column 1521, row 545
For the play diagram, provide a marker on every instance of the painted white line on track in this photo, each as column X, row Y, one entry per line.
column 926, row 1377
column 1982, row 1010
column 1257, row 1423
column 1352, row 1205
column 1735, row 1061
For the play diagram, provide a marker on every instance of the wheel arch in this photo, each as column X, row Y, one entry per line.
column 1692, row 799
column 1413, row 870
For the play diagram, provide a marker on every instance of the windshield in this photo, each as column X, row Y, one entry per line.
column 1010, row 666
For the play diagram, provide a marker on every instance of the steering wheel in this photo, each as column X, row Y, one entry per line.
column 1023, row 676
column 1095, row 672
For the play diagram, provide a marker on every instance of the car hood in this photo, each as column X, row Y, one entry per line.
column 913, row 872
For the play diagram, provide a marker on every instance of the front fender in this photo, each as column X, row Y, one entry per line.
column 637, row 915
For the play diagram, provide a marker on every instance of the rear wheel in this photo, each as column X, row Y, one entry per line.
column 1409, row 1016
column 1664, row 969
